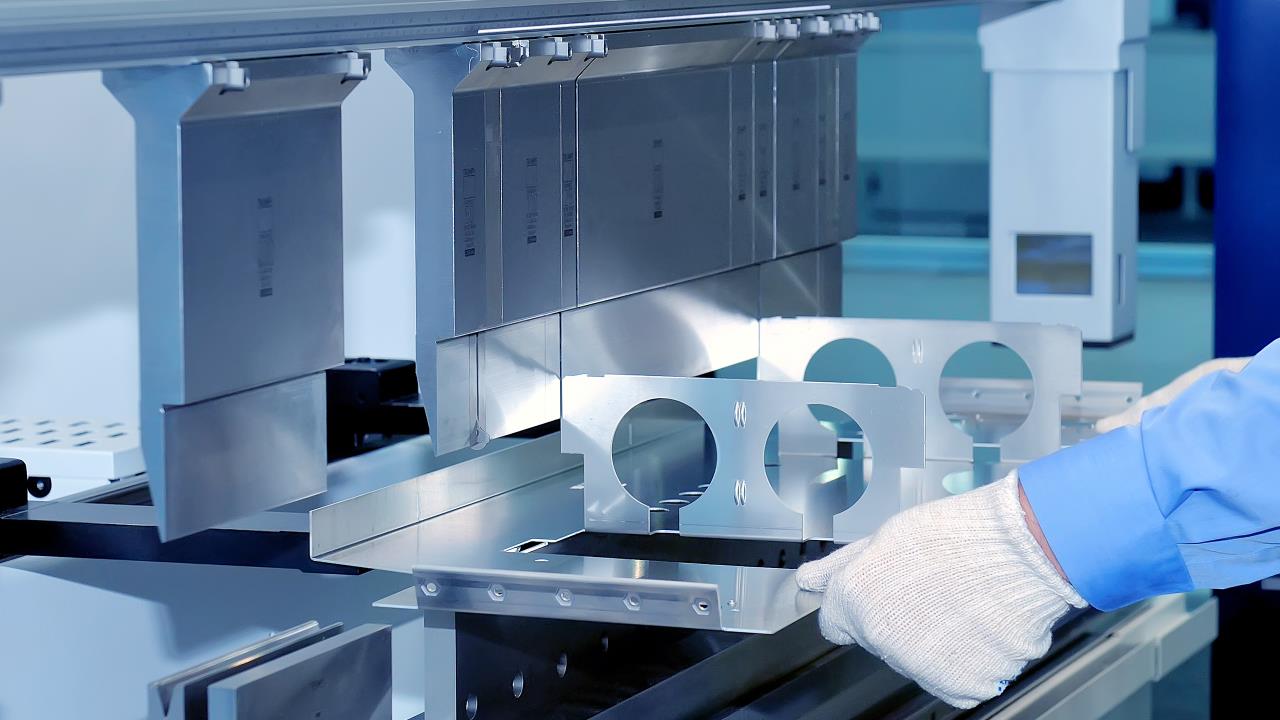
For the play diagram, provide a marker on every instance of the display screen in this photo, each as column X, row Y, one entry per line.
column 1055, row 264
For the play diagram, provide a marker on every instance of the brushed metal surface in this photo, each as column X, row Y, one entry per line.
column 686, row 329
column 345, row 676
column 918, row 350
column 239, row 276
column 655, row 187
column 238, row 455
column 739, row 501
column 184, row 695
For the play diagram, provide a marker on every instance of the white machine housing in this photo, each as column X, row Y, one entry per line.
column 1067, row 99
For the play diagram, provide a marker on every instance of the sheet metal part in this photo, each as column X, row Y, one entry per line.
column 185, row 695
column 495, row 530
column 118, row 522
column 466, row 545
column 235, row 161
column 992, row 408
column 356, row 519
column 740, row 502
column 346, row 676
column 918, row 350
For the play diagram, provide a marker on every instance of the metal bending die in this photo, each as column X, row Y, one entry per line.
column 739, row 502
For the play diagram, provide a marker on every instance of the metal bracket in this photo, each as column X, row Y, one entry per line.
column 739, row 501
column 918, row 350
column 537, row 594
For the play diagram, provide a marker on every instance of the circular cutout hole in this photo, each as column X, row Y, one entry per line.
column 472, row 707
column 850, row 361
column 562, row 664
column 661, row 449
column 517, row 685
column 986, row 391
column 817, row 460
column 957, row 482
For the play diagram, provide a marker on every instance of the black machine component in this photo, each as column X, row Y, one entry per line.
column 372, row 403
column 707, row 550
column 117, row 522
column 39, row 487
column 570, row 670
column 13, row 484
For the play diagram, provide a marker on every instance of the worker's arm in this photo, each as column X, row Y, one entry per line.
column 961, row 593
column 1187, row 498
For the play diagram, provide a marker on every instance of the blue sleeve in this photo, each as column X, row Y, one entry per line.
column 1189, row 498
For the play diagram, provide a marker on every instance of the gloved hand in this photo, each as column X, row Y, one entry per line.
column 955, row 594
column 1168, row 393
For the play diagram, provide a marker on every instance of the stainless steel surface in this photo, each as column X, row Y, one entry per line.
column 237, row 455
column 480, row 543
column 740, row 502
column 539, row 186
column 515, row 165
column 686, row 329
column 356, row 519
column 654, row 128
column 918, row 350
column 495, row 383
column 802, row 285
column 240, row 277
column 502, row 514
column 346, row 676
column 647, row 155
column 664, row 594
column 610, row 177
column 988, row 409
column 506, row 379
column 1012, row 396
column 796, row 150
column 519, row 377
column 184, row 695
column 845, row 172
column 44, row 36
column 757, row 60
column 432, row 73
column 477, row 202
column 680, row 602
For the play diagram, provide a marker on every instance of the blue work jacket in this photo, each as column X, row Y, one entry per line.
column 1188, row 498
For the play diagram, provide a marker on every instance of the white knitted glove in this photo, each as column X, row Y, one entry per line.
column 1168, row 393
column 955, row 594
